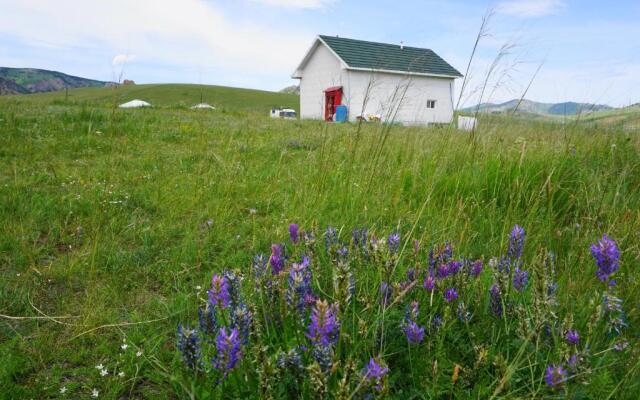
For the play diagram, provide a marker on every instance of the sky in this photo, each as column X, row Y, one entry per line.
column 585, row 50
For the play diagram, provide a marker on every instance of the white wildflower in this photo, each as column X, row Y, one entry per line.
column 138, row 354
column 63, row 390
column 121, row 374
column 99, row 366
column 94, row 393
column 124, row 346
column 104, row 372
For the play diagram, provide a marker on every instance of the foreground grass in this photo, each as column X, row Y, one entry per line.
column 111, row 222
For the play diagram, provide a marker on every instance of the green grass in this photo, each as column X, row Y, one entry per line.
column 104, row 226
column 169, row 95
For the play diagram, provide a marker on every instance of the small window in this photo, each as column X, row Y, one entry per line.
column 431, row 104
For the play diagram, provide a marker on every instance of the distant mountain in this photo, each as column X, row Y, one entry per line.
column 293, row 89
column 31, row 80
column 534, row 107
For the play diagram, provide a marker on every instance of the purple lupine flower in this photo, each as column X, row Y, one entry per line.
column 291, row 359
column 394, row 242
column 259, row 266
column 447, row 253
column 330, row 237
column 208, row 320
column 476, row 268
column 324, row 328
column 442, row 271
column 413, row 310
column 414, row 332
column 374, row 373
column 436, row 323
column 429, row 283
column 293, row 233
column 276, row 260
column 233, row 287
column 516, row 242
column 555, row 375
column 343, row 254
column 520, row 279
column 496, row 300
column 189, row 346
column 241, row 319
column 323, row 354
column 450, row 295
column 572, row 336
column 299, row 285
column 386, row 291
column 411, row 274
column 219, row 292
column 454, row 267
column 374, row 370
column 607, row 257
column 360, row 237
column 229, row 350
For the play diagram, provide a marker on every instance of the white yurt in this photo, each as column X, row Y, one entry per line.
column 203, row 106
column 135, row 104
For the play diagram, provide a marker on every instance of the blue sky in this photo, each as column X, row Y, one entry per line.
column 589, row 50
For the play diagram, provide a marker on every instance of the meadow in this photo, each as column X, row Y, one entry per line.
column 113, row 222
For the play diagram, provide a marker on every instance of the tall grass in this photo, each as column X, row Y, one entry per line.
column 110, row 225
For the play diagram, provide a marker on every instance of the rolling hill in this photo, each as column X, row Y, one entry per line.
column 534, row 107
column 170, row 95
column 31, row 80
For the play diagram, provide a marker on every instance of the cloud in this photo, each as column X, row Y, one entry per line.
column 192, row 33
column 122, row 59
column 311, row 4
column 530, row 8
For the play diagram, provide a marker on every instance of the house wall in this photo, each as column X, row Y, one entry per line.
column 322, row 71
column 399, row 98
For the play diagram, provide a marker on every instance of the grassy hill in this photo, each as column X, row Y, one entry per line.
column 170, row 95
column 534, row 107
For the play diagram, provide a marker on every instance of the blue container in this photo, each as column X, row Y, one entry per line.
column 341, row 113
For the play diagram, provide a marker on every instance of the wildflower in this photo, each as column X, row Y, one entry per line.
column 450, row 295
column 299, row 285
column 476, row 268
column 442, row 271
column 516, row 242
column 607, row 257
column 124, row 346
column 291, row 359
column 330, row 237
column 276, row 260
column 219, row 292
column 323, row 354
column 208, row 320
column 429, row 283
column 189, row 346
column 293, row 233
column 360, row 238
column 620, row 346
column 386, row 291
column 496, row 300
column 436, row 323
column 63, row 390
column 95, row 393
column 233, row 287
column 520, row 279
column 228, row 348
column 104, row 372
column 411, row 274
column 413, row 310
column 374, row 373
column 99, row 366
column 393, row 241
column 121, row 374
column 555, row 375
column 138, row 354
column 259, row 266
column 324, row 328
column 454, row 267
column 572, row 336
column 241, row 319
column 414, row 332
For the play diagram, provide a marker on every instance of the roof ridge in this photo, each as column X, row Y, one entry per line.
column 376, row 43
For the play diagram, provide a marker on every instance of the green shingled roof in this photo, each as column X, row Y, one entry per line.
column 388, row 57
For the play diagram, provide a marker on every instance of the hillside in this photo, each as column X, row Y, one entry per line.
column 31, row 80
column 528, row 106
column 172, row 95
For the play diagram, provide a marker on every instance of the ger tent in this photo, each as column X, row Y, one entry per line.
column 135, row 104
column 203, row 106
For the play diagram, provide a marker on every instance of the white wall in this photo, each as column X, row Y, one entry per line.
column 397, row 97
column 323, row 70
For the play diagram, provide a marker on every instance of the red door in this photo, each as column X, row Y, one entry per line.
column 332, row 98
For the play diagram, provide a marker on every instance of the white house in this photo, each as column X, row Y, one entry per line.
column 397, row 83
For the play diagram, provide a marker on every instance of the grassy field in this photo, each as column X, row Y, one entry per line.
column 113, row 221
